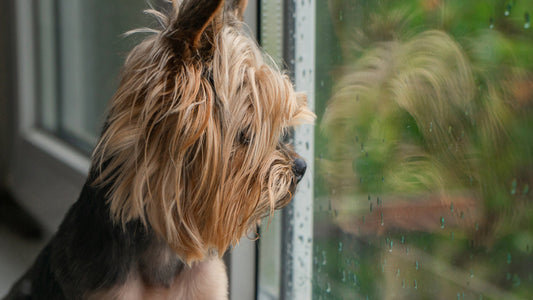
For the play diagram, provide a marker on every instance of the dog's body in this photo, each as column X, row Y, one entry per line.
column 92, row 258
column 190, row 159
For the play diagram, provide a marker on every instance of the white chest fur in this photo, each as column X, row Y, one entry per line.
column 205, row 280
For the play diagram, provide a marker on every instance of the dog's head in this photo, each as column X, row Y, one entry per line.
column 193, row 141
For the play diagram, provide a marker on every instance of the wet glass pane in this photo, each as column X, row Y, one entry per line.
column 424, row 150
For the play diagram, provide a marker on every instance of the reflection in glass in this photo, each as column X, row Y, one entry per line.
column 425, row 150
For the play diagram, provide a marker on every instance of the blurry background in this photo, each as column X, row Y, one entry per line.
column 424, row 150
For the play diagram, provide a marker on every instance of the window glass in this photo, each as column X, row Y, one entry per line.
column 424, row 150
column 81, row 49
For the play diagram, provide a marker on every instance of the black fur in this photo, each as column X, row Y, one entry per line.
column 89, row 253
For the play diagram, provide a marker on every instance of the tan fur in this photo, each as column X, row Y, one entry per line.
column 192, row 142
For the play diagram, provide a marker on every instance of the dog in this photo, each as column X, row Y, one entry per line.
column 190, row 158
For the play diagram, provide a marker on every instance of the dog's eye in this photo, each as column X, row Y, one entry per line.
column 244, row 138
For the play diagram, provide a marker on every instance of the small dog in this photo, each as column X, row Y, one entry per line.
column 190, row 159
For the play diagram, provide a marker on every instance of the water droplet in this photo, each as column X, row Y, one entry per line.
column 431, row 126
column 390, row 245
column 321, row 83
column 513, row 187
column 343, row 276
column 507, row 11
column 416, row 285
column 526, row 18
column 403, row 283
column 341, row 17
column 508, row 258
column 382, row 179
column 378, row 201
column 471, row 273
column 370, row 206
column 526, row 190
column 324, row 261
column 382, row 222
column 491, row 23
column 340, row 246
column 407, row 250
column 403, row 239
column 451, row 207
column 328, row 288
column 441, row 222
column 416, row 265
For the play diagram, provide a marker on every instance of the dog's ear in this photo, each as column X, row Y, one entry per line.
column 192, row 19
column 237, row 7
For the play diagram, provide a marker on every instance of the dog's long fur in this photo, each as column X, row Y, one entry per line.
column 189, row 160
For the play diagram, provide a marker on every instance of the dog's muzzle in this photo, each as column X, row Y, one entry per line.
column 298, row 168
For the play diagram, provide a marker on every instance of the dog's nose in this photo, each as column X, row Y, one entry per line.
column 299, row 166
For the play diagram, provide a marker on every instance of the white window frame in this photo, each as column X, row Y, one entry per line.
column 46, row 173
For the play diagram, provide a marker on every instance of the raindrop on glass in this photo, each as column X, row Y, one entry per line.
column 328, row 288
column 451, row 207
column 340, row 246
column 491, row 23
column 378, row 201
column 398, row 272
column 382, row 222
column 508, row 258
column 416, row 265
column 441, row 222
column 471, row 273
column 526, row 24
column 513, row 187
column 371, row 207
column 507, row 11
column 403, row 239
column 416, row 285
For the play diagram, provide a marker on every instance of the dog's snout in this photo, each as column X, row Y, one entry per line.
column 299, row 166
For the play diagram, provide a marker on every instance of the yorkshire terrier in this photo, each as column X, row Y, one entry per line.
column 191, row 157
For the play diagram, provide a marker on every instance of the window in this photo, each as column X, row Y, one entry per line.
column 421, row 156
